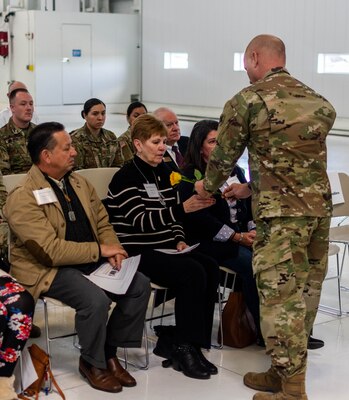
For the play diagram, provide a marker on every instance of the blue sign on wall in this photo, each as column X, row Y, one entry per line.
column 76, row 53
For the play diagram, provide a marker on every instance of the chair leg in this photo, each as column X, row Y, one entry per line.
column 146, row 346
column 125, row 358
column 220, row 324
column 163, row 306
column 346, row 247
column 21, row 372
column 146, row 353
column 47, row 337
column 162, row 314
column 221, row 300
column 46, row 328
column 220, row 310
column 152, row 309
column 339, row 286
column 339, row 267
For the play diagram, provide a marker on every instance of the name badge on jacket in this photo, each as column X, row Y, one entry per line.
column 152, row 190
column 45, row 196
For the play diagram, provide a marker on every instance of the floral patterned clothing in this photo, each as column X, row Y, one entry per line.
column 16, row 314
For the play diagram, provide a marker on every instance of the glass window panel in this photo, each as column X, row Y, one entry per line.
column 176, row 60
column 333, row 64
column 239, row 62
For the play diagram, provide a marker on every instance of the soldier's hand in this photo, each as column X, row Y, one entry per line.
column 237, row 191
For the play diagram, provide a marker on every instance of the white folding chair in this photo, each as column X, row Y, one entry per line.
column 339, row 234
column 11, row 181
column 49, row 338
column 100, row 178
column 155, row 290
column 334, row 251
column 221, row 299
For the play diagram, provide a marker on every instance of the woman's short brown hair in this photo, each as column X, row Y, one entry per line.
column 145, row 126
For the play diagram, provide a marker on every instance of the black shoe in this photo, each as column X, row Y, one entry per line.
column 185, row 358
column 35, row 332
column 164, row 347
column 210, row 368
column 314, row 344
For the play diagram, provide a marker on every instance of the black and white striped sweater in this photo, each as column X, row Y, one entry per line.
column 142, row 222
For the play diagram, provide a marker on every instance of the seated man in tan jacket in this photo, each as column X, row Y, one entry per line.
column 60, row 232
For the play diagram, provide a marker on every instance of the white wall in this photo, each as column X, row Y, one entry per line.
column 115, row 55
column 212, row 31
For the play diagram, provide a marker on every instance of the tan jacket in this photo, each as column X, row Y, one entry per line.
column 38, row 245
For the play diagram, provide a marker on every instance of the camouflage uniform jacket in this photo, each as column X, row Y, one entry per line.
column 13, row 148
column 126, row 146
column 284, row 125
column 96, row 152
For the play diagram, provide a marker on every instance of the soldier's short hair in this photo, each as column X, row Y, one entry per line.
column 41, row 138
column 145, row 126
column 13, row 94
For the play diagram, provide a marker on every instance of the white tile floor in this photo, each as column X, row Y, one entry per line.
column 327, row 370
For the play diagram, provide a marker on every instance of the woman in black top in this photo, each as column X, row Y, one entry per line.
column 226, row 229
column 145, row 211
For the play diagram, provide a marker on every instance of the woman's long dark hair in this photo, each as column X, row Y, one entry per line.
column 193, row 157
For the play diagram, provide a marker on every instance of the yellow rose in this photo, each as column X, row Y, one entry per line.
column 175, row 178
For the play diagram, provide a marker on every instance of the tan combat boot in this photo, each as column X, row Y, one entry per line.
column 7, row 391
column 268, row 381
column 293, row 388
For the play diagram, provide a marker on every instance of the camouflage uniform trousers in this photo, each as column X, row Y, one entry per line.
column 290, row 263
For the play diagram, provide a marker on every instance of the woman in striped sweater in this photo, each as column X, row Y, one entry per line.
column 145, row 211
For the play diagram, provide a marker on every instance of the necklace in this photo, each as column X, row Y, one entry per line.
column 71, row 213
column 161, row 197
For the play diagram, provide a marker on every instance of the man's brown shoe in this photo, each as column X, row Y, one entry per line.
column 120, row 373
column 100, row 379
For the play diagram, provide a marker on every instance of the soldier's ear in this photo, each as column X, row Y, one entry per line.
column 254, row 58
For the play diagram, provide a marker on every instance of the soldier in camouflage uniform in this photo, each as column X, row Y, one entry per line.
column 284, row 125
column 134, row 110
column 5, row 113
column 96, row 147
column 14, row 135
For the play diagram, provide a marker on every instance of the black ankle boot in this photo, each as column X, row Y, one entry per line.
column 185, row 358
column 210, row 368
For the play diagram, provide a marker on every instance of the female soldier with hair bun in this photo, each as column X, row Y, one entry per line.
column 96, row 146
